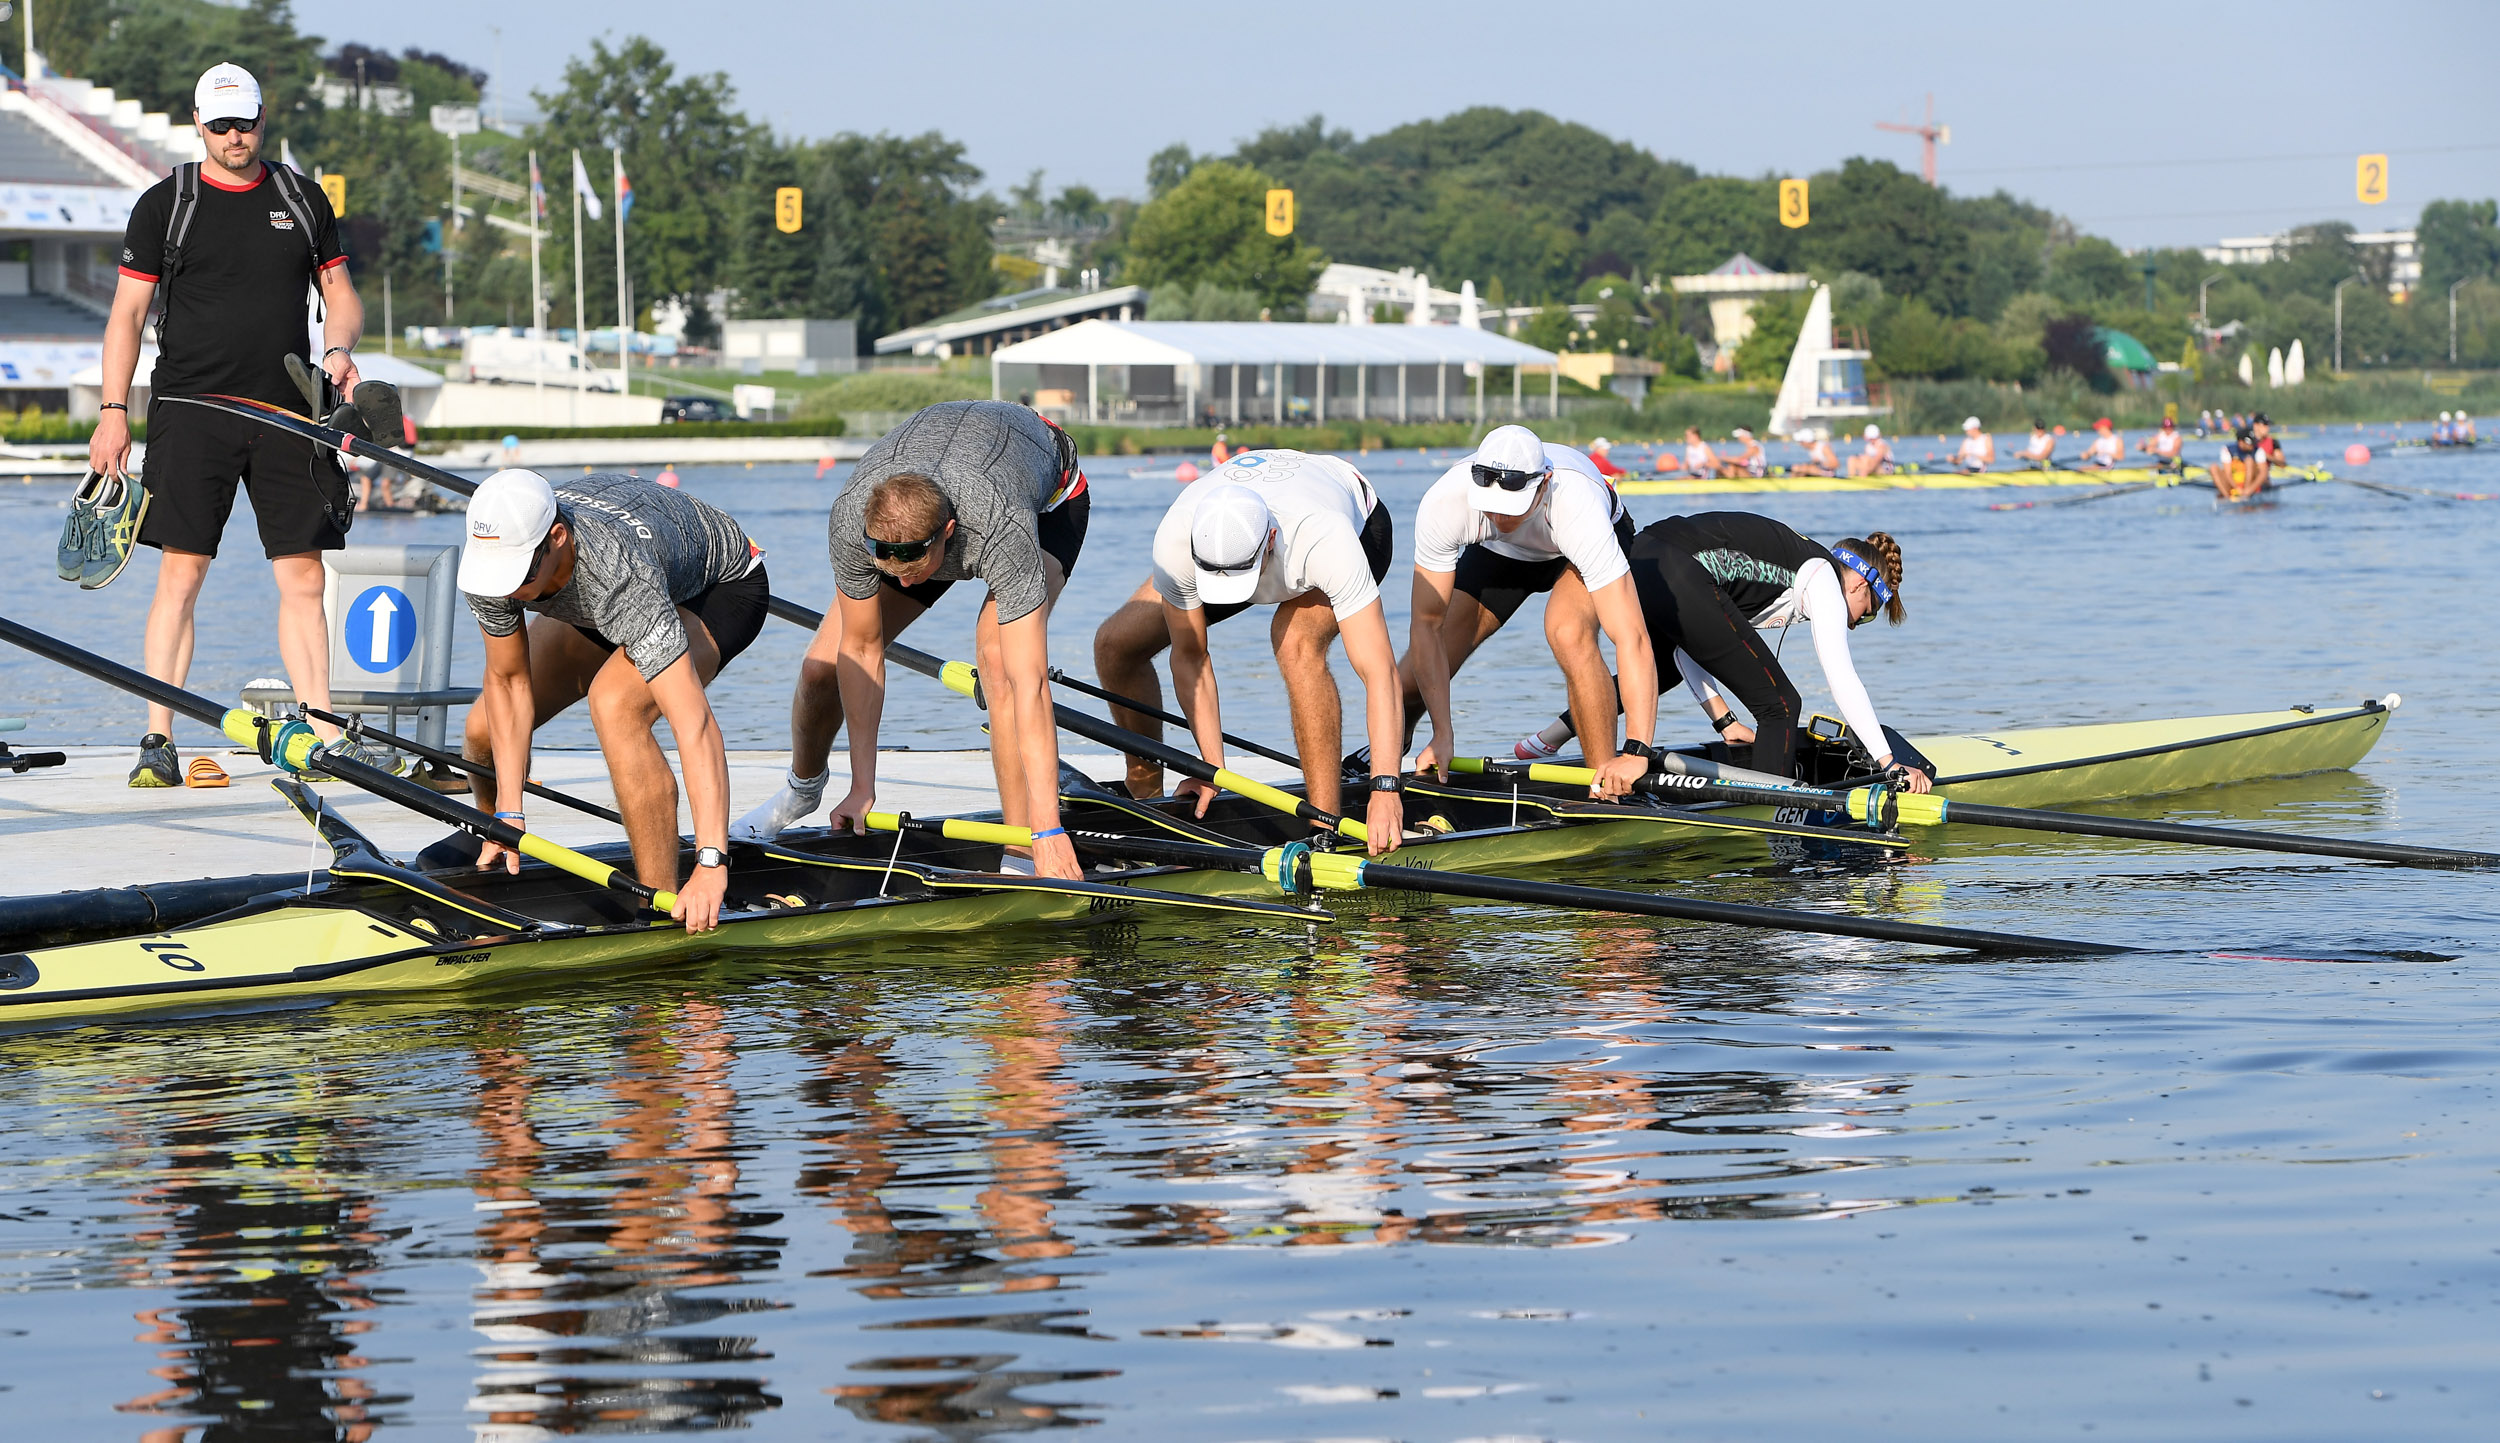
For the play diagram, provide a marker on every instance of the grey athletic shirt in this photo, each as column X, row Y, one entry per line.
column 997, row 463
column 640, row 549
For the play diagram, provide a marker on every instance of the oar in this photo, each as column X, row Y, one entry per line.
column 455, row 761
column 1168, row 718
column 1926, row 809
column 1296, row 868
column 293, row 746
column 2080, row 500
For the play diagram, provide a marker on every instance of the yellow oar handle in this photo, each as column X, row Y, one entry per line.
column 1281, row 800
column 292, row 745
column 960, row 676
column 1917, row 809
column 956, row 829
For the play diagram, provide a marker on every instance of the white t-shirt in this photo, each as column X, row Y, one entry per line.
column 1819, row 601
column 1574, row 518
column 1319, row 505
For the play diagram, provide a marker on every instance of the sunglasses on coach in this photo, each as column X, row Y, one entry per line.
column 224, row 124
column 1505, row 478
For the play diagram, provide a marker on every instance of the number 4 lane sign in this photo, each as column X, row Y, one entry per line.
column 381, row 628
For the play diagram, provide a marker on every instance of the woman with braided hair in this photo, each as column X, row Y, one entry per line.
column 1709, row 585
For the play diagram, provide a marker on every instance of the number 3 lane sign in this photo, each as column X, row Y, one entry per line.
column 381, row 628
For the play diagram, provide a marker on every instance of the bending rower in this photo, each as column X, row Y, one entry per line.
column 642, row 595
column 2040, row 452
column 2105, row 449
column 1709, row 584
column 963, row 490
column 1307, row 535
column 1978, row 450
column 2163, row 445
column 1518, row 518
column 1876, row 458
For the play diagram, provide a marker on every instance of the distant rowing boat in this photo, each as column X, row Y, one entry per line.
column 1913, row 480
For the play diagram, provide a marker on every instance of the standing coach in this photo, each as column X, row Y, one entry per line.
column 234, row 243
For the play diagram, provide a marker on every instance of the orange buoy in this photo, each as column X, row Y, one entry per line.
column 2356, row 454
column 1185, row 472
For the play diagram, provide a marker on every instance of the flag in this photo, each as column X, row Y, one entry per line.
column 581, row 185
column 624, row 189
column 538, row 192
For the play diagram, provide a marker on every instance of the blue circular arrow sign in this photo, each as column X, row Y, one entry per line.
column 381, row 628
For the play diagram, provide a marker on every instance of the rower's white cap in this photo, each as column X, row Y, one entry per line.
column 1741, row 434
column 1227, row 541
column 1873, row 432
column 1970, row 423
column 1512, row 448
column 510, row 514
column 227, row 92
column 2443, row 415
column 1601, row 444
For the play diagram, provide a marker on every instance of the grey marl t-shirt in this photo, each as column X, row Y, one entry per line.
column 640, row 549
column 997, row 462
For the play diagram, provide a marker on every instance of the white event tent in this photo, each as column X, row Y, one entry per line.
column 1229, row 372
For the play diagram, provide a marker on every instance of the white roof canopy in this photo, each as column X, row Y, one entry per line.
column 1261, row 343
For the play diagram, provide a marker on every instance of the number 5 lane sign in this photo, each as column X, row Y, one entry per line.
column 381, row 628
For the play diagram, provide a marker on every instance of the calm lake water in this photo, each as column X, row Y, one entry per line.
column 1449, row 1173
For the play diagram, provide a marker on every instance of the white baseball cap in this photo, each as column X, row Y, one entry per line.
column 508, row 517
column 1507, row 448
column 1227, row 541
column 228, row 92
column 1873, row 432
column 1970, row 423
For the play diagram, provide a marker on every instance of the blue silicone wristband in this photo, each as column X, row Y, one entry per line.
column 1053, row 832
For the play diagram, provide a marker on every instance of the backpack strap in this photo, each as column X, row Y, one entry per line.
column 177, row 229
column 291, row 190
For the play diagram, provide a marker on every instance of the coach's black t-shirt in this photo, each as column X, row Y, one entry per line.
column 239, row 305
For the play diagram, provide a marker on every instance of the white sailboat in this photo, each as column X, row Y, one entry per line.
column 2274, row 367
column 1824, row 381
column 2295, row 366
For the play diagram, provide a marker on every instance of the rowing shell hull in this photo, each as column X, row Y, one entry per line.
column 300, row 953
column 1919, row 481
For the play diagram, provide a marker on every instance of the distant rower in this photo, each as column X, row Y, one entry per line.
column 1876, row 458
column 2163, row 446
column 1820, row 460
column 2041, row 450
column 2105, row 449
column 1978, row 450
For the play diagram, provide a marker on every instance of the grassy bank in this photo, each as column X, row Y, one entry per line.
column 682, row 431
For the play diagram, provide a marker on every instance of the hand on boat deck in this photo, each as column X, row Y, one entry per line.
column 1056, row 857
column 1616, row 778
column 698, row 902
column 1385, row 821
column 1205, row 792
column 852, row 811
column 1436, row 757
column 490, row 852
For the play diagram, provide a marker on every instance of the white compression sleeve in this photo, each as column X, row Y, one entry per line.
column 1827, row 613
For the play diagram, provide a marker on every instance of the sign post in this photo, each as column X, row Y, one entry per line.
column 455, row 121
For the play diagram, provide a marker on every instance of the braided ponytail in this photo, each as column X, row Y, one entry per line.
column 1886, row 554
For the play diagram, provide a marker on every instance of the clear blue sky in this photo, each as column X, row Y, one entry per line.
column 2149, row 123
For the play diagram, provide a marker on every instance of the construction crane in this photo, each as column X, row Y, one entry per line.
column 1930, row 136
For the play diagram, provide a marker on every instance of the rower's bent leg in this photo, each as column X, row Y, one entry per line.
column 304, row 632
column 1125, row 648
column 1303, row 632
column 562, row 665
column 167, row 649
column 816, row 702
column 1571, row 630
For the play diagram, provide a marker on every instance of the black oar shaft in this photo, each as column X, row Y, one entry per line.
column 2024, row 819
column 460, row 763
column 1168, row 718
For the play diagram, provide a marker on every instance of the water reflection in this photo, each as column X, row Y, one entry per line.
column 589, row 1254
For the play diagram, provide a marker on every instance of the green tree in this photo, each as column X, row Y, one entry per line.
column 1777, row 320
column 1873, row 217
column 2090, row 271
column 2460, row 240
column 153, row 51
column 1701, row 224
column 1211, row 228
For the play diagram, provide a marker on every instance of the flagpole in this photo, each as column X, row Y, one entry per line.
column 580, row 321
column 538, row 292
column 624, row 318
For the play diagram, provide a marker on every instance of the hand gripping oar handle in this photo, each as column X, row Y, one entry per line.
column 1923, row 809
column 291, row 746
column 1295, row 868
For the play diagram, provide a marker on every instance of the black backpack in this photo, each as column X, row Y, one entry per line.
column 187, row 204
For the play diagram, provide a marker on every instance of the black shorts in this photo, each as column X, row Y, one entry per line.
column 1502, row 584
column 1061, row 534
column 1378, row 541
column 733, row 611
column 196, row 455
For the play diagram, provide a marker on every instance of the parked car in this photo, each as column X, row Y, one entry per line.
column 527, row 361
column 695, row 408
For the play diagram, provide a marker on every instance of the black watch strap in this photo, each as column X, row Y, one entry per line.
column 710, row 857
column 1723, row 720
column 1389, row 784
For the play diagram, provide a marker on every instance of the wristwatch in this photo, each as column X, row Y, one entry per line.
column 710, row 857
column 1633, row 746
column 1389, row 784
column 1723, row 720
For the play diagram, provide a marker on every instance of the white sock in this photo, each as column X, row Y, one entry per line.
column 1535, row 748
column 796, row 797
